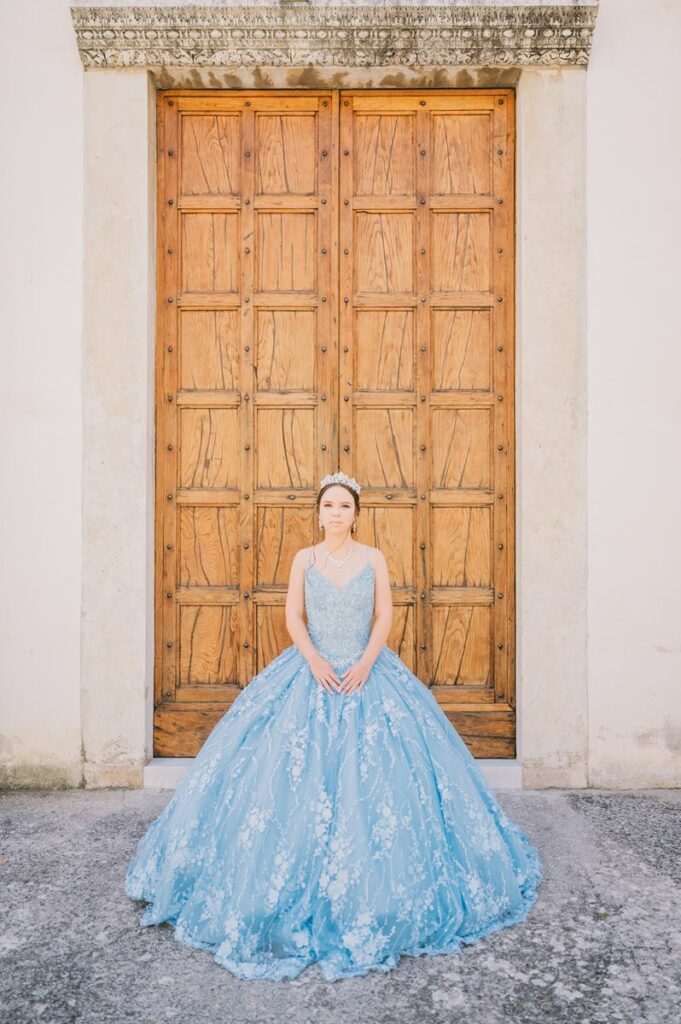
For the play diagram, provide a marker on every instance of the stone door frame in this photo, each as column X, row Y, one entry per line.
column 551, row 390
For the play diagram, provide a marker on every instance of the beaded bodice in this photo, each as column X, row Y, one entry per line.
column 339, row 618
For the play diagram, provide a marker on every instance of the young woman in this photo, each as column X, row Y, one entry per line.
column 333, row 815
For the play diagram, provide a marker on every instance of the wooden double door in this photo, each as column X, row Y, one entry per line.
column 335, row 290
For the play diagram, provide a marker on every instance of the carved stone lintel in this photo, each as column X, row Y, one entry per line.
column 297, row 35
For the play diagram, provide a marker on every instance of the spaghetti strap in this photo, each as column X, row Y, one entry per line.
column 368, row 561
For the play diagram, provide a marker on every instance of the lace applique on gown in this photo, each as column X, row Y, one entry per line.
column 343, row 830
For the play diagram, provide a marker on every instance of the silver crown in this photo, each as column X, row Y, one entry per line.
column 341, row 478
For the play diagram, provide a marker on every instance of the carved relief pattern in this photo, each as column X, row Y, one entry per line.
column 333, row 35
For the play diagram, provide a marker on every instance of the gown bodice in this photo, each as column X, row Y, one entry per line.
column 339, row 618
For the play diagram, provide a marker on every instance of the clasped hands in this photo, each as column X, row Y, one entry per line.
column 353, row 679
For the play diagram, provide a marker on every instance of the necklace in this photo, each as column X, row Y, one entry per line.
column 339, row 562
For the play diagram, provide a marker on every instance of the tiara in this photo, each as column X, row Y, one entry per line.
column 341, row 478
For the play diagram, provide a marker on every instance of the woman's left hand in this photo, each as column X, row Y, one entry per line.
column 355, row 677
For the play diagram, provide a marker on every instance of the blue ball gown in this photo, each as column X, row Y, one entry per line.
column 341, row 829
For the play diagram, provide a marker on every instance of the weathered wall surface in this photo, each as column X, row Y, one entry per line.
column 41, row 82
column 118, row 421
column 551, row 427
column 634, row 507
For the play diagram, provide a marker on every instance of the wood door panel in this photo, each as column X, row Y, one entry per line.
column 213, row 237
column 385, row 447
column 460, row 444
column 207, row 440
column 285, row 349
column 285, row 455
column 208, row 554
column 402, row 638
column 460, row 252
column 335, row 290
column 211, row 145
column 247, row 293
column 271, row 633
column 384, row 155
column 208, row 353
column 440, row 439
column 461, row 146
column 278, row 531
column 287, row 251
column 385, row 359
column 461, row 646
column 286, row 154
column 207, row 652
column 462, row 350
column 384, row 243
column 461, row 548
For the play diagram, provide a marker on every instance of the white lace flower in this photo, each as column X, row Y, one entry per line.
column 371, row 732
column 393, row 710
column 364, row 940
column 297, row 758
column 254, row 823
column 384, row 831
column 323, row 814
column 336, row 888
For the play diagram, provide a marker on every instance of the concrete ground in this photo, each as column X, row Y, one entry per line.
column 601, row 945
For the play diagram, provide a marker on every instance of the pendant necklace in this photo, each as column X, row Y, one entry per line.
column 339, row 563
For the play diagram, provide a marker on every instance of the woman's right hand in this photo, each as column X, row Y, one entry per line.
column 324, row 674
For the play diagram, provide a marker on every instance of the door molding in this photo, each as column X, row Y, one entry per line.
column 338, row 36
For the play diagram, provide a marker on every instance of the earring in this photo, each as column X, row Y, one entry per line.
column 354, row 527
column 320, row 524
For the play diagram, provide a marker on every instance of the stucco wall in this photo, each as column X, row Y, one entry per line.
column 118, row 421
column 634, row 370
column 41, row 83
column 551, row 427
column 79, row 369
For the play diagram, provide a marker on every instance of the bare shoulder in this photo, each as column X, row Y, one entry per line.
column 301, row 556
column 375, row 556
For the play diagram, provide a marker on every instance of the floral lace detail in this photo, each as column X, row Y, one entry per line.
column 342, row 830
column 254, row 823
column 339, row 620
column 278, row 879
column 384, row 830
column 364, row 939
